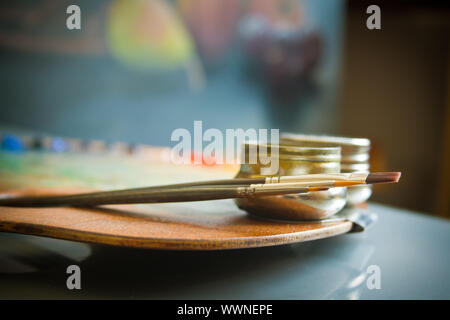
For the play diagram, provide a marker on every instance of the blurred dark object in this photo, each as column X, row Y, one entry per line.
column 282, row 50
column 283, row 58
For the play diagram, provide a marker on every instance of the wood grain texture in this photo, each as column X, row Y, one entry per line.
column 209, row 225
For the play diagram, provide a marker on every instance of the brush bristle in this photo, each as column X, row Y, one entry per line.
column 383, row 177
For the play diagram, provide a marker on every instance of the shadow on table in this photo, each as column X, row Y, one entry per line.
column 328, row 268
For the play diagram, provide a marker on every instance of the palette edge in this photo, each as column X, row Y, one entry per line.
column 331, row 229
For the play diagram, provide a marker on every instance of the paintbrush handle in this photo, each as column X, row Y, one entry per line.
column 221, row 182
column 150, row 195
column 155, row 194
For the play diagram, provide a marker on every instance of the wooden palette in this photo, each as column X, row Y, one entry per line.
column 208, row 225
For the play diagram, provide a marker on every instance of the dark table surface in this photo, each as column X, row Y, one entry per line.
column 411, row 251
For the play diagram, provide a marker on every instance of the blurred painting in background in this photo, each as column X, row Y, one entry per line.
column 138, row 69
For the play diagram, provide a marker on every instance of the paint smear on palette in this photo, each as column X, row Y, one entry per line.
column 36, row 169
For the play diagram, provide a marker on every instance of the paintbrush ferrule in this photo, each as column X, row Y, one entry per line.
column 281, row 187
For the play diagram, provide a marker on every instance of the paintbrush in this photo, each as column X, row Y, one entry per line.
column 358, row 178
column 207, row 190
